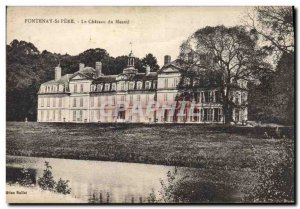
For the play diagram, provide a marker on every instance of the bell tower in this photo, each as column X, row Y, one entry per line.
column 130, row 63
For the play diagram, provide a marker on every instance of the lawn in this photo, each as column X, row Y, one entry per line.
column 233, row 159
column 203, row 146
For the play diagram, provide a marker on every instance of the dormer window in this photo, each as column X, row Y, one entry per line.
column 93, row 87
column 131, row 85
column 122, row 86
column 60, row 88
column 99, row 87
column 154, row 85
column 139, row 85
column 113, row 87
column 147, row 85
column 107, row 87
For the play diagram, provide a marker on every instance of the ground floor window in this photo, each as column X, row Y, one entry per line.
column 211, row 114
column 59, row 115
column 80, row 115
column 42, row 115
column 53, row 115
column 74, row 115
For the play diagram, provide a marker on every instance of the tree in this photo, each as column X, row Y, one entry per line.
column 150, row 60
column 223, row 56
column 275, row 25
column 275, row 28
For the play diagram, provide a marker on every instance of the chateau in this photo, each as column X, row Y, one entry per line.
column 89, row 96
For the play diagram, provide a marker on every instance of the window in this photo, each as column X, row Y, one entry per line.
column 48, row 102
column 217, row 96
column 122, row 98
column 165, row 97
column 81, row 102
column 175, row 82
column 107, row 87
column 166, row 83
column 237, row 98
column 113, row 87
column 139, row 85
column 210, row 114
column 75, row 87
column 74, row 115
column 99, row 87
column 206, row 96
column 99, row 101
column 54, row 102
column 211, row 96
column 131, row 99
column 47, row 115
column 92, row 101
column 147, row 98
column 244, row 97
column 81, row 87
column 42, row 102
column 237, row 115
column 147, row 85
column 42, row 115
column 98, row 115
column 53, row 115
column 122, row 86
column 202, row 96
column 131, row 86
column 80, row 115
column 60, row 102
column 59, row 115
column 93, row 87
column 154, row 85
column 74, row 102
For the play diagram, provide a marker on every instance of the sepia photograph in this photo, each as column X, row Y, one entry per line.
column 150, row 105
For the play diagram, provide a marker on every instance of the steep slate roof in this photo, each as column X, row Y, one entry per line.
column 178, row 63
column 143, row 76
column 105, row 79
column 63, row 80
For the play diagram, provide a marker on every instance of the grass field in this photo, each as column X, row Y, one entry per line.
column 201, row 146
column 230, row 157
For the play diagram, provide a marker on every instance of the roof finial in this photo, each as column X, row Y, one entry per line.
column 130, row 54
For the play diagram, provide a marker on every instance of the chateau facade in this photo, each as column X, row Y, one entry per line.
column 89, row 96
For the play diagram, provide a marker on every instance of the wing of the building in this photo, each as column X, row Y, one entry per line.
column 89, row 96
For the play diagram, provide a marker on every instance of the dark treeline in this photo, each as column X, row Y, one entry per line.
column 27, row 68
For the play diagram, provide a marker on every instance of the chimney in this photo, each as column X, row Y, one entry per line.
column 57, row 72
column 147, row 69
column 81, row 66
column 167, row 59
column 98, row 69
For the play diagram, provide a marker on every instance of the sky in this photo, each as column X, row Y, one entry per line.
column 156, row 30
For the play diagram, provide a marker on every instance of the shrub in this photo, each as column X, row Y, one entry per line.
column 46, row 182
column 25, row 179
column 63, row 187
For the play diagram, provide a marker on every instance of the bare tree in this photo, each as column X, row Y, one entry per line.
column 224, row 57
column 275, row 25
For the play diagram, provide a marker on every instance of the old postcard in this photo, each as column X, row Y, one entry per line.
column 146, row 105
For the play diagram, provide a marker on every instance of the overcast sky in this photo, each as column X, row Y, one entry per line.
column 156, row 30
